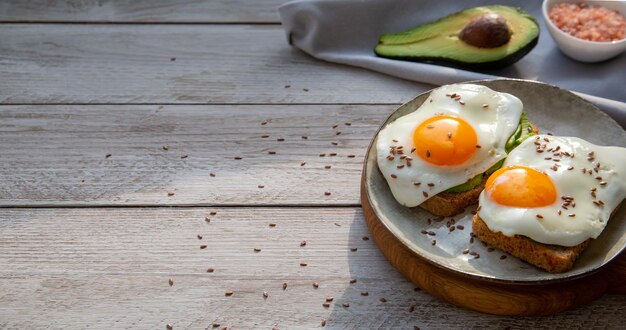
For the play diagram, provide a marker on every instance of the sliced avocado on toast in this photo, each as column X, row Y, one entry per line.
column 487, row 37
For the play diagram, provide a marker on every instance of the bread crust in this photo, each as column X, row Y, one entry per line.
column 450, row 204
column 553, row 258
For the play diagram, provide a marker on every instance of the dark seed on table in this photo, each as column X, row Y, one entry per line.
column 216, row 325
column 261, row 186
column 203, row 247
column 502, row 257
column 411, row 309
column 210, row 270
column 257, row 250
column 452, row 229
column 213, row 212
column 345, row 305
column 272, row 225
column 228, row 293
column 238, row 158
column 327, row 193
column 383, row 300
column 327, row 166
column 338, row 133
column 271, row 152
column 323, row 323
column 212, row 174
column 365, row 293
column 303, row 243
column 471, row 240
column 490, row 249
column 199, row 236
column 434, row 242
column 166, row 148
column 334, row 143
column 352, row 281
column 265, row 294
column 265, row 136
column 171, row 282
column 264, row 122
column 351, row 156
column 285, row 286
column 280, row 139
column 365, row 238
column 425, row 194
column 107, row 156
column 424, row 231
column 303, row 264
column 326, row 304
column 332, row 154
column 335, row 126
column 170, row 194
column 353, row 249
column 330, row 298
column 304, row 137
column 169, row 326
column 431, row 233
column 303, row 163
column 460, row 227
column 465, row 251
column 316, row 285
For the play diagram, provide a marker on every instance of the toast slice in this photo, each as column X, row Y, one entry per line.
column 553, row 258
column 450, row 204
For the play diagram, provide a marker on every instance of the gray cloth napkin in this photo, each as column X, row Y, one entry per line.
column 346, row 31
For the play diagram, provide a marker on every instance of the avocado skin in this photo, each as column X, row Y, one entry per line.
column 457, row 63
column 480, row 66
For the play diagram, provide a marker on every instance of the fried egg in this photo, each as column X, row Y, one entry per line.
column 555, row 190
column 460, row 131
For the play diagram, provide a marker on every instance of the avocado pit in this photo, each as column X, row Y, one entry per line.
column 486, row 31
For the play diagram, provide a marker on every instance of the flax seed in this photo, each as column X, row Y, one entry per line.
column 203, row 246
column 238, row 158
column 257, row 250
column 303, row 264
column 170, row 194
column 460, row 227
column 394, row 176
column 365, row 293
column 427, row 153
column 353, row 249
column 425, row 194
column 316, row 285
column 323, row 323
column 280, row 139
column 265, row 294
column 210, row 270
column 345, row 305
column 434, row 242
column 285, row 286
column 303, row 243
column 502, row 257
column 351, row 156
column 171, row 282
column 169, row 326
column 228, row 293
column 327, row 193
column 327, row 167
column 212, row 174
column 383, row 300
column 352, row 281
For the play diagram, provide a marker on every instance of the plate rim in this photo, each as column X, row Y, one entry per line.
column 483, row 278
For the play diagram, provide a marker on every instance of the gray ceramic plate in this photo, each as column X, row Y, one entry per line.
column 553, row 110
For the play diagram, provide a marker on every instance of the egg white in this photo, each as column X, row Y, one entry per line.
column 589, row 219
column 493, row 124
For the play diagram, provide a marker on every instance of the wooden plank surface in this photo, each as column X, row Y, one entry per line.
column 57, row 155
column 133, row 11
column 154, row 64
column 109, row 268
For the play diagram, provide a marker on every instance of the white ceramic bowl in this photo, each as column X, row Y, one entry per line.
column 584, row 50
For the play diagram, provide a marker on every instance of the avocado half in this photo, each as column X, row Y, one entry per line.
column 439, row 42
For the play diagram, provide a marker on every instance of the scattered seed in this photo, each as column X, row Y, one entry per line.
column 166, row 148
column 477, row 256
column 431, row 184
column 203, row 246
column 169, row 326
column 212, row 174
column 571, row 215
column 257, row 250
column 365, row 238
column 539, row 216
column 303, row 163
column 485, row 105
column 502, row 257
column 352, row 281
column 207, row 219
column 427, row 153
column 365, row 293
column 323, row 323
column 400, row 166
column 465, row 251
column 303, row 243
column 425, row 194
column 303, row 264
column 394, row 176
column 460, row 227
column 264, row 136
column 238, row 158
column 353, row 249
column 285, row 286
column 337, row 133
column 490, row 249
column 432, row 233
column 210, row 270
column 261, row 186
column 170, row 194
column 327, row 166
column 272, row 225
column 271, row 152
column 602, row 183
column 332, row 154
column 451, row 229
column 216, row 325
column 345, row 305
column 383, row 300
column 461, row 102
column 411, row 309
column 434, row 242
column 330, row 298
column 334, row 143
column 171, row 282
column 199, row 236
column 264, row 122
column 228, row 293
column 316, row 285
column 327, row 193
column 478, row 146
column 326, row 304
column 305, row 89
column 335, row 126
column 265, row 294
column 351, row 156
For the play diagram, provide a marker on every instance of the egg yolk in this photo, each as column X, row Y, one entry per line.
column 520, row 186
column 445, row 140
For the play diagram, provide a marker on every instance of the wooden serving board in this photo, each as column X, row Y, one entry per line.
column 490, row 297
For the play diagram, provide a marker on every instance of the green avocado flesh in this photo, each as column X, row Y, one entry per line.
column 439, row 42
column 524, row 131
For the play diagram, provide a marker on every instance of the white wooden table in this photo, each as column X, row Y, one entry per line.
column 121, row 128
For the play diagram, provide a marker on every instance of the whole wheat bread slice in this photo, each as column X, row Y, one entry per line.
column 450, row 204
column 553, row 258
